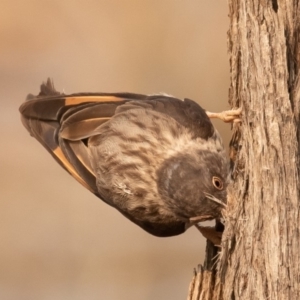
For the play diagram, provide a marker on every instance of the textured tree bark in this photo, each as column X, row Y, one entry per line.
column 260, row 253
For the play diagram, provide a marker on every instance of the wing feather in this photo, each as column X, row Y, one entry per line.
column 44, row 132
column 83, row 123
column 78, row 161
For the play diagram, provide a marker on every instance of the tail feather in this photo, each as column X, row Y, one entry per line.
column 48, row 89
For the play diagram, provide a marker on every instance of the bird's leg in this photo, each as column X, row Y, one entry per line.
column 195, row 220
column 211, row 234
column 227, row 115
column 214, row 234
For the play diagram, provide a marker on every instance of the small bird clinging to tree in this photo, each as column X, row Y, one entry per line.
column 156, row 159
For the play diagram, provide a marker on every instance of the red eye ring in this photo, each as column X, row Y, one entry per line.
column 218, row 183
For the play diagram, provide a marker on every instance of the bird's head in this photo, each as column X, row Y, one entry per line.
column 194, row 184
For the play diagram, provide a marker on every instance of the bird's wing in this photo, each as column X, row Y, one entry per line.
column 187, row 113
column 64, row 123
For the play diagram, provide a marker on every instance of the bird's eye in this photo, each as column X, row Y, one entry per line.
column 217, row 182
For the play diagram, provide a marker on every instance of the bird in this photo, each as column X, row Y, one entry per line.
column 157, row 159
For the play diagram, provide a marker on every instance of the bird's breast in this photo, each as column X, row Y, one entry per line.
column 126, row 157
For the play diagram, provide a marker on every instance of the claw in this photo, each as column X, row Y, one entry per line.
column 228, row 116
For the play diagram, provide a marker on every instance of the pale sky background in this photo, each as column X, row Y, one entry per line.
column 58, row 241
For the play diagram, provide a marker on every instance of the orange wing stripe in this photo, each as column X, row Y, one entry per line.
column 83, row 99
column 59, row 154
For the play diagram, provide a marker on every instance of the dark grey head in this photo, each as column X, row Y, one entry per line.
column 187, row 181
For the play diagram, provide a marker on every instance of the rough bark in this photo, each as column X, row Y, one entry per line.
column 260, row 257
column 206, row 284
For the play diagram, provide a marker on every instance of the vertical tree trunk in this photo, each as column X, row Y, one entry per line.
column 260, row 254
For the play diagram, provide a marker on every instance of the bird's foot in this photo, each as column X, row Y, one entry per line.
column 228, row 116
column 195, row 220
column 211, row 234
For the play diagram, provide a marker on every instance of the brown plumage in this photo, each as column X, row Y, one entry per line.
column 156, row 159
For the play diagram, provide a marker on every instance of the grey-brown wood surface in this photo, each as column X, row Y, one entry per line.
column 259, row 257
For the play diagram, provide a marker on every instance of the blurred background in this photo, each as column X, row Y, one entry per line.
column 58, row 241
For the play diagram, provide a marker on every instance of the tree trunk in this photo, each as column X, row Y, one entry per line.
column 260, row 253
